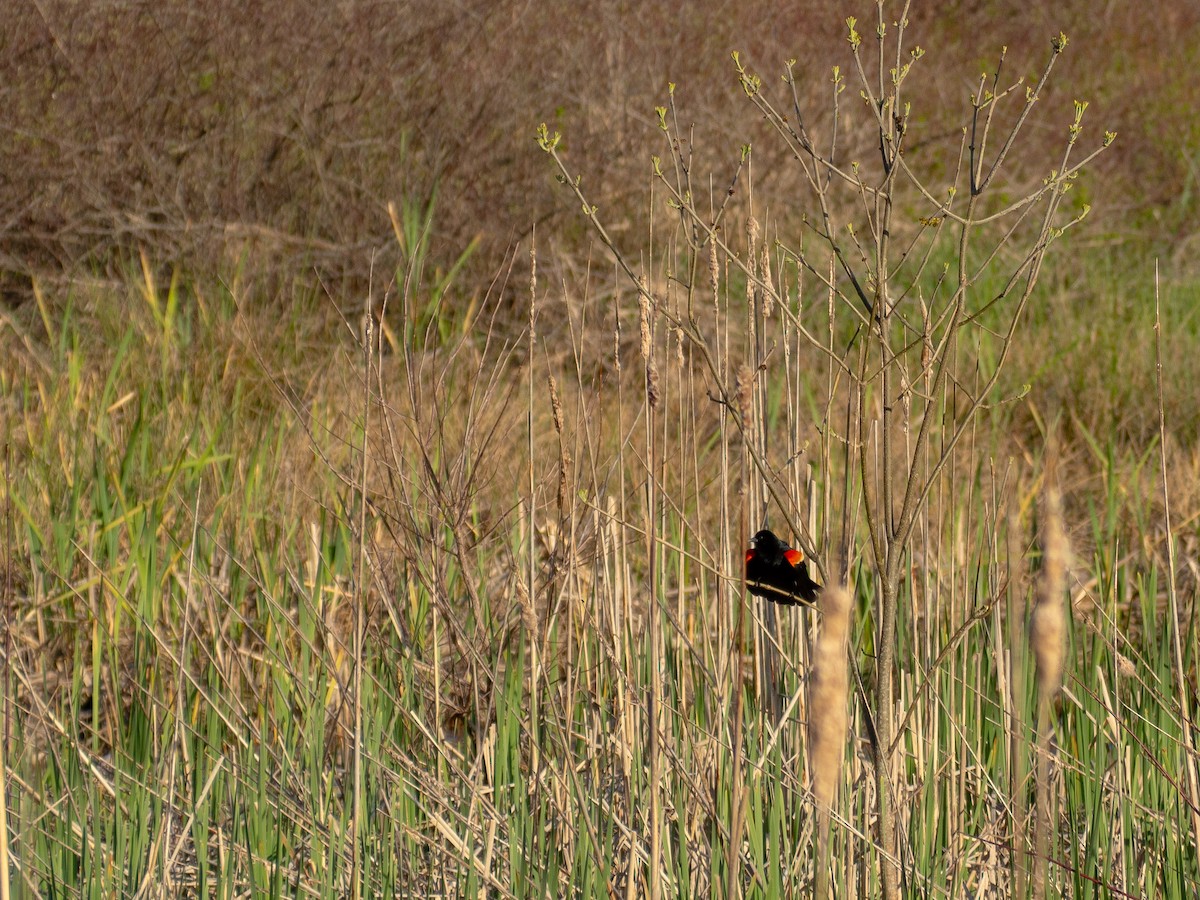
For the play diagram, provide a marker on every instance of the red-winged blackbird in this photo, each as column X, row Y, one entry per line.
column 778, row 572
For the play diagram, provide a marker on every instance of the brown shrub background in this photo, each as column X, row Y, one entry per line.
column 205, row 132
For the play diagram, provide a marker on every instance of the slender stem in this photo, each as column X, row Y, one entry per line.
column 5, row 599
column 359, row 618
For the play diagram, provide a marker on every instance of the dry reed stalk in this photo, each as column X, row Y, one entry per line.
column 1015, row 713
column 744, row 394
column 529, row 606
column 1181, row 675
column 564, row 455
column 1046, row 628
column 646, row 311
column 827, row 718
column 5, row 598
column 360, row 616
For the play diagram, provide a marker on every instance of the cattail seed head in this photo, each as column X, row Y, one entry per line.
column 1125, row 666
column 556, row 405
column 652, row 393
column 564, row 455
column 1047, row 625
column 745, row 393
column 645, row 309
column 714, row 266
column 830, row 687
column 528, row 612
column 617, row 344
column 764, row 273
column 644, row 316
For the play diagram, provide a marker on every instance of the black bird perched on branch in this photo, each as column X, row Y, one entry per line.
column 778, row 572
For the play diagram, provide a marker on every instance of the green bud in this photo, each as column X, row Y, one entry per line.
column 545, row 140
column 854, row 37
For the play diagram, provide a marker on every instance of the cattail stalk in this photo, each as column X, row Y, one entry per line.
column 744, row 395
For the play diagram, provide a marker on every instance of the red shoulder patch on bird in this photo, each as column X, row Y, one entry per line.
column 750, row 554
column 795, row 557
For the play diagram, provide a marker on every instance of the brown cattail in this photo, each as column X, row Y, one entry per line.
column 745, row 393
column 617, row 344
column 1048, row 622
column 528, row 611
column 714, row 267
column 829, row 692
column 556, row 405
column 645, row 308
column 652, row 393
column 564, row 455
column 764, row 272
column 644, row 317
